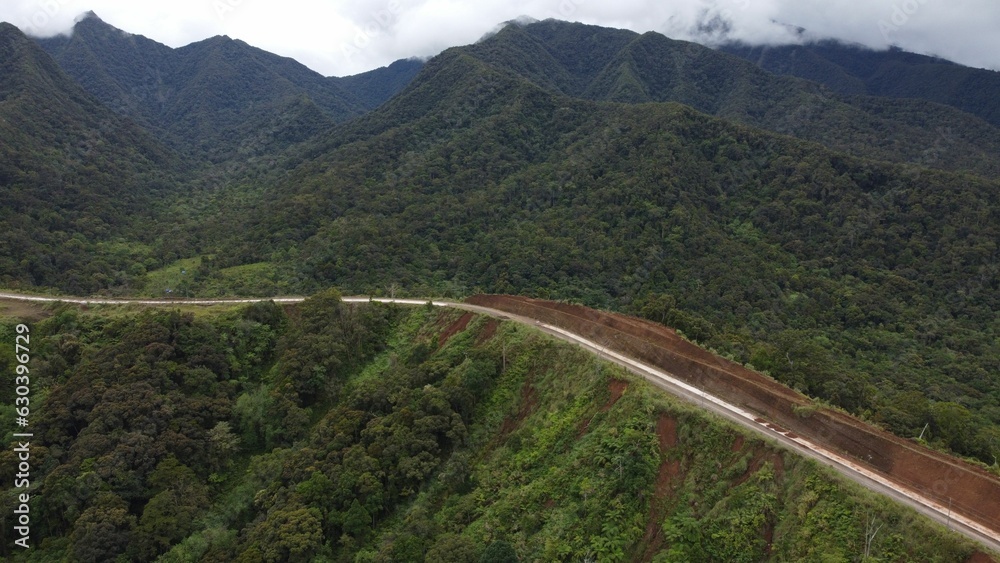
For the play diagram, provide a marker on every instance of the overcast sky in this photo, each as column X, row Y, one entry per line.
column 340, row 37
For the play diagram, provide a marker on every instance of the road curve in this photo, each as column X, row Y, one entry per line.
column 870, row 479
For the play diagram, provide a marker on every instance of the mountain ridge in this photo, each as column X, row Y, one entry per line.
column 73, row 175
column 853, row 70
column 200, row 95
column 653, row 68
column 635, row 173
column 191, row 96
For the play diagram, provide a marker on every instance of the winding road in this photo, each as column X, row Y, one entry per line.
column 872, row 480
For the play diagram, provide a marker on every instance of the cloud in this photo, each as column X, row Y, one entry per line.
column 338, row 37
column 959, row 30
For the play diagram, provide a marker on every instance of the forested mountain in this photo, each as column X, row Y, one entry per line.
column 846, row 243
column 856, row 70
column 621, row 66
column 366, row 433
column 75, row 179
column 492, row 171
column 854, row 280
column 220, row 97
column 375, row 87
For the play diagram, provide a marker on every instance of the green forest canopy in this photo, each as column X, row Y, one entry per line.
column 333, row 432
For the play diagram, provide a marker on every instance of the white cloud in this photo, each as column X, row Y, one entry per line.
column 338, row 37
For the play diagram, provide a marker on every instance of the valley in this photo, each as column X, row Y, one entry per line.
column 800, row 242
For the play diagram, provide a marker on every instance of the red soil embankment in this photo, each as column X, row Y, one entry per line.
column 969, row 490
column 455, row 328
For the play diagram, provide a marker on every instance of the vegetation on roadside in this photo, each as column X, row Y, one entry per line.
column 552, row 160
column 333, row 432
column 859, row 283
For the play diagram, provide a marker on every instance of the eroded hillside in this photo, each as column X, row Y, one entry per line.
column 369, row 433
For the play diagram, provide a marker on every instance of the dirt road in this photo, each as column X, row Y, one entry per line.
column 850, row 468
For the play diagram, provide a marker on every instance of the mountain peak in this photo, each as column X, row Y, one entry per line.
column 520, row 21
column 88, row 15
column 214, row 41
column 90, row 24
column 14, row 44
column 7, row 30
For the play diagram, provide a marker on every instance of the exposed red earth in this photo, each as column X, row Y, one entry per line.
column 455, row 328
column 947, row 489
column 967, row 489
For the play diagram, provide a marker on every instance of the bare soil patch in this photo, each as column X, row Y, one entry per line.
column 529, row 402
column 23, row 311
column 668, row 476
column 455, row 328
column 738, row 443
column 980, row 557
column 666, row 431
column 489, row 329
column 933, row 474
column 617, row 388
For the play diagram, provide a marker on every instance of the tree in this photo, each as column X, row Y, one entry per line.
column 170, row 515
column 952, row 422
column 499, row 552
column 289, row 534
column 223, row 445
column 408, row 548
column 452, row 548
column 871, row 530
column 103, row 531
column 657, row 307
column 357, row 521
column 988, row 444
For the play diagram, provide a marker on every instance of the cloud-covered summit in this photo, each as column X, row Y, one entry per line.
column 340, row 37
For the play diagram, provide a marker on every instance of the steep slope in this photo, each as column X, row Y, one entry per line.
column 369, row 433
column 224, row 85
column 943, row 480
column 850, row 276
column 73, row 177
column 856, row 70
column 128, row 73
column 559, row 57
column 375, row 87
column 218, row 97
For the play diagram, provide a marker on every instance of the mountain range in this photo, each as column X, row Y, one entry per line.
column 219, row 97
column 828, row 214
column 855, row 70
column 622, row 66
column 72, row 174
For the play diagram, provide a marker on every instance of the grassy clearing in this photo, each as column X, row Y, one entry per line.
column 173, row 277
